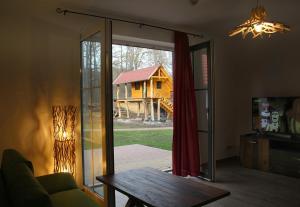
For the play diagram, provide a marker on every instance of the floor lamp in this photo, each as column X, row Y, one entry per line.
column 64, row 122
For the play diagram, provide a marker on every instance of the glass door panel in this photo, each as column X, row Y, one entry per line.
column 91, row 111
column 96, row 110
column 203, row 90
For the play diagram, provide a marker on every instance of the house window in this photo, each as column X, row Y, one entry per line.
column 137, row 86
column 158, row 84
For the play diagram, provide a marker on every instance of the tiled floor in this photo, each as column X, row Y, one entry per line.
column 249, row 188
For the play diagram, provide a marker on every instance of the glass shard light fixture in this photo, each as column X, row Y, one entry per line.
column 258, row 26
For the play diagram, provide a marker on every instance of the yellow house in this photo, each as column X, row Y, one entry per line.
column 149, row 86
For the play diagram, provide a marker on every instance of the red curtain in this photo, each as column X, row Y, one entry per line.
column 186, row 160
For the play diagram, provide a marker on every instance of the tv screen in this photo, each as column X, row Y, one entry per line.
column 279, row 115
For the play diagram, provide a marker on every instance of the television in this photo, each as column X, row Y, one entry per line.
column 276, row 115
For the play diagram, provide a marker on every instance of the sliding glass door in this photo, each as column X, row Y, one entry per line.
column 96, row 108
column 203, row 79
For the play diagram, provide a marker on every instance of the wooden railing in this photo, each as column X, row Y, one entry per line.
column 166, row 104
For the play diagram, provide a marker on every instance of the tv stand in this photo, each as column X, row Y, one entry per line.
column 270, row 152
column 286, row 136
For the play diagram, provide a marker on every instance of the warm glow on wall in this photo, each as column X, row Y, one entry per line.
column 64, row 122
column 258, row 26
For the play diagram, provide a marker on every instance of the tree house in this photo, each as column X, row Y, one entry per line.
column 149, row 86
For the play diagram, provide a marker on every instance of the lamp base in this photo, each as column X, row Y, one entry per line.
column 64, row 156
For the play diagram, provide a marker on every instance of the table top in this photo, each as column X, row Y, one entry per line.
column 160, row 189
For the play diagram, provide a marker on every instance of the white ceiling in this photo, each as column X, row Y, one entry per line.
column 209, row 16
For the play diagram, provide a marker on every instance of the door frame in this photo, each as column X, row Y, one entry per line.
column 108, row 157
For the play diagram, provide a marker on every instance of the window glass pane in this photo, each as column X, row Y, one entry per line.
column 96, row 101
column 204, row 149
column 97, row 151
column 86, row 65
column 202, row 109
column 137, row 85
column 158, row 84
column 85, row 96
column 86, row 135
column 200, row 68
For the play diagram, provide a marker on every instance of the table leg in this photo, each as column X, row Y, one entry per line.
column 139, row 204
column 130, row 203
column 133, row 203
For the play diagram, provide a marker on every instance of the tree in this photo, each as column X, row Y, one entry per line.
column 126, row 58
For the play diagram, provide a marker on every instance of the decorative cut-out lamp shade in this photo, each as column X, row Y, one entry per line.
column 258, row 26
column 64, row 122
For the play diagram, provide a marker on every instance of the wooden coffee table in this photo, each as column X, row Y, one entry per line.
column 154, row 188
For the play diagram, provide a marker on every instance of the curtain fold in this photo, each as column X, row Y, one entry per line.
column 186, row 158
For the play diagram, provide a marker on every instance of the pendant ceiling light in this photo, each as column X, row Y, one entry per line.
column 258, row 26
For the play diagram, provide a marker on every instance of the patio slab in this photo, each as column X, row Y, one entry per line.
column 138, row 156
column 126, row 158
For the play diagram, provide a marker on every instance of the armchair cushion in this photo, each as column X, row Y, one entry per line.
column 11, row 157
column 57, row 182
column 23, row 188
column 3, row 194
column 73, row 198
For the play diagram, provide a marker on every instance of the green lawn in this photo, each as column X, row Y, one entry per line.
column 153, row 138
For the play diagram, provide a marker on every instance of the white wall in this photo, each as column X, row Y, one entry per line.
column 249, row 68
column 40, row 64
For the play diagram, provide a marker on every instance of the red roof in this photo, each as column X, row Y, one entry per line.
column 136, row 75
